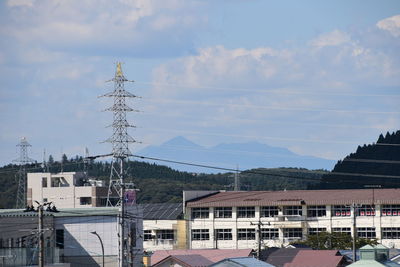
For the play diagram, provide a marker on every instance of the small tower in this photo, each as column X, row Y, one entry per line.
column 23, row 160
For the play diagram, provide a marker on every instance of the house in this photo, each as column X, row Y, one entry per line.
column 164, row 227
column 229, row 220
column 193, row 260
column 69, row 236
column 317, row 258
column 374, row 256
column 212, row 255
column 280, row 256
column 67, row 190
column 241, row 262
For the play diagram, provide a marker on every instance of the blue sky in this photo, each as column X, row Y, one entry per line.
column 316, row 77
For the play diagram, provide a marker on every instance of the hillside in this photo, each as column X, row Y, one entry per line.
column 370, row 165
column 163, row 184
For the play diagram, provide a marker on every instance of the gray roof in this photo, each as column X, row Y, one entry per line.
column 241, row 261
column 162, row 211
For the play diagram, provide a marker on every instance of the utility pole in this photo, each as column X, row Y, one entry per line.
column 21, row 174
column 120, row 152
column 237, row 179
column 41, row 238
column 259, row 238
column 354, row 208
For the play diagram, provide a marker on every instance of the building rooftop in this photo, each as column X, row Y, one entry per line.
column 241, row 262
column 162, row 211
column 316, row 258
column 298, row 197
column 193, row 260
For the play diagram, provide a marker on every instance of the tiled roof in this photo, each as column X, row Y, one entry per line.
column 213, row 255
column 299, row 197
column 282, row 256
column 242, row 261
column 162, row 211
column 193, row 260
column 316, row 258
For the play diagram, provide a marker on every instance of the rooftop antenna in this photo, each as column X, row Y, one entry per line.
column 23, row 160
column 120, row 152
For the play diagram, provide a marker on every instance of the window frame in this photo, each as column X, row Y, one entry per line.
column 316, row 211
column 291, row 233
column 200, row 234
column 293, row 210
column 223, row 234
column 269, row 233
column 366, row 232
column 246, row 212
column 246, row 234
column 200, row 213
column 341, row 211
column 269, row 211
column 223, row 212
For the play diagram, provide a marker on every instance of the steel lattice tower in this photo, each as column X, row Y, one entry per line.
column 120, row 141
column 21, row 174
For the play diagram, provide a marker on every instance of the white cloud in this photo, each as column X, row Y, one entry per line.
column 391, row 25
column 334, row 38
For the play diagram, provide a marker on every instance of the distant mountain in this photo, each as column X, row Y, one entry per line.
column 373, row 165
column 228, row 155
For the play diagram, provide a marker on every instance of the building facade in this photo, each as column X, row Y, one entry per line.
column 276, row 218
column 66, row 190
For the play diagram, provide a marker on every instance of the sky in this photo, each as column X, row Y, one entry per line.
column 316, row 77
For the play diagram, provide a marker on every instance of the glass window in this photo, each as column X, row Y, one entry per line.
column 200, row 213
column 366, row 210
column 293, row 232
column 165, row 234
column 269, row 233
column 391, row 233
column 391, row 210
column 224, row 234
column 314, row 231
column 269, row 211
column 44, row 181
column 200, row 234
column 341, row 211
column 223, row 212
column 345, row 230
column 292, row 210
column 85, row 200
column 316, row 211
column 60, row 238
column 246, row 234
column 246, row 212
column 147, row 235
column 366, row 232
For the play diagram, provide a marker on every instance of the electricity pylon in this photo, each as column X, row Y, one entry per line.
column 120, row 141
column 21, row 174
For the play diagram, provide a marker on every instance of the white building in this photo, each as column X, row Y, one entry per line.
column 232, row 219
column 66, row 190
column 68, row 236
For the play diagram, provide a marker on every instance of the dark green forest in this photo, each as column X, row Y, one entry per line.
column 373, row 165
column 162, row 184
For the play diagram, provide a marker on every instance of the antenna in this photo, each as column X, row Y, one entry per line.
column 120, row 151
column 21, row 174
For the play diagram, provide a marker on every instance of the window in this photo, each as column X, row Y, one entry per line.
column 293, row 232
column 316, row 211
column 391, row 210
column 269, row 233
column 200, row 213
column 391, row 233
column 366, row 210
column 45, row 199
column 44, row 181
column 224, row 234
column 314, row 231
column 165, row 234
column 366, row 232
column 246, row 234
column 147, row 235
column 200, row 234
column 246, row 212
column 60, row 238
column 345, row 230
column 223, row 212
column 85, row 200
column 292, row 210
column 269, row 211
column 341, row 210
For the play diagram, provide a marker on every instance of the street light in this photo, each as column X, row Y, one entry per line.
column 101, row 242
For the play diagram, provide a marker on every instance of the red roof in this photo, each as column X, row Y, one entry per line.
column 299, row 197
column 213, row 255
column 316, row 258
column 193, row 260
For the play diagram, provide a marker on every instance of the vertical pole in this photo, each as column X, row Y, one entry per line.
column 259, row 240
column 122, row 221
column 354, row 232
column 41, row 239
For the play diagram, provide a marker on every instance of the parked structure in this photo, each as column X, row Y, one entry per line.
column 67, row 190
column 219, row 219
column 69, row 238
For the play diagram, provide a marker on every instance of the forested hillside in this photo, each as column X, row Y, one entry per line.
column 371, row 165
column 163, row 184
